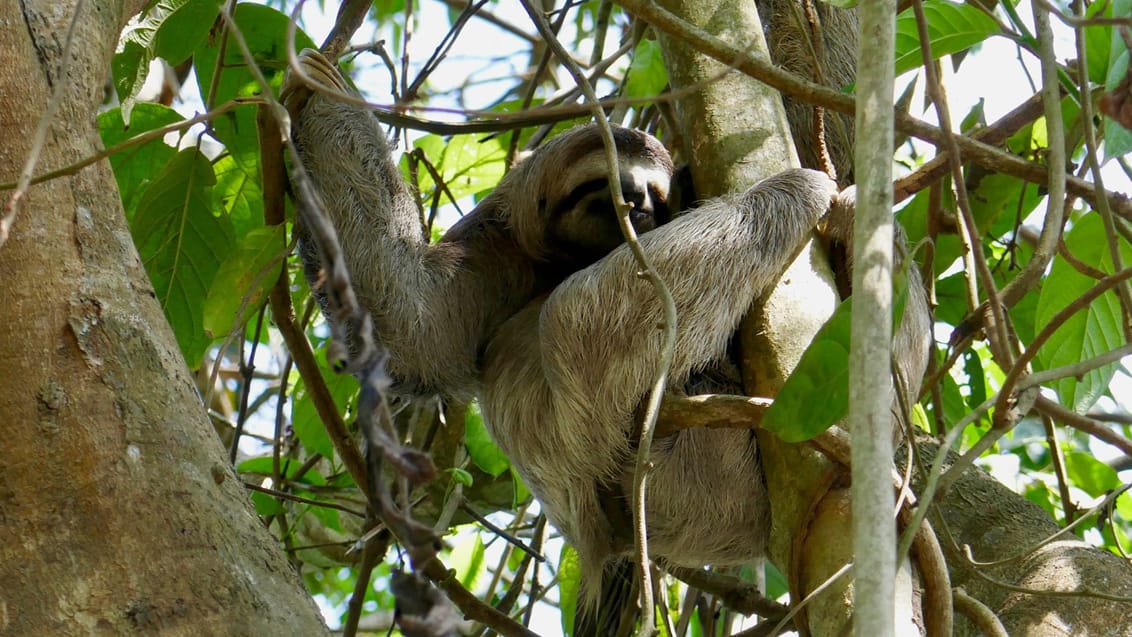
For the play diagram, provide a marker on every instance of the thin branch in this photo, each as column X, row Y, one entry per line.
column 929, row 173
column 663, row 293
column 1091, row 151
column 136, row 140
column 763, row 70
column 979, row 614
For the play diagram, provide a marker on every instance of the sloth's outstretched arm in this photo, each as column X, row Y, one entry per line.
column 599, row 329
column 429, row 311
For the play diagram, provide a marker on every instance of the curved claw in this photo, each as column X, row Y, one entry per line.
column 319, row 72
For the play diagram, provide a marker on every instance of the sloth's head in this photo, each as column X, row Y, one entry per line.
column 557, row 201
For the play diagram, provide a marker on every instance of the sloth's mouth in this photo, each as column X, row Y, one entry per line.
column 643, row 220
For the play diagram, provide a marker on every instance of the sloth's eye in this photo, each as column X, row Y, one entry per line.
column 578, row 195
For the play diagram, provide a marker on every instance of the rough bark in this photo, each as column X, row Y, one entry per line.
column 119, row 511
column 1001, row 526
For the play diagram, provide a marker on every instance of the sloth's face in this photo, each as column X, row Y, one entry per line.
column 577, row 206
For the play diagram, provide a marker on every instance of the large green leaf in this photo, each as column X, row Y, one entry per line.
column 244, row 279
column 951, row 28
column 182, row 244
column 1117, row 139
column 569, row 585
column 136, row 167
column 265, row 30
column 1089, row 332
column 467, row 561
column 647, row 75
column 1089, row 474
column 304, row 416
column 467, row 164
column 822, row 371
column 169, row 29
column 481, row 448
column 238, row 193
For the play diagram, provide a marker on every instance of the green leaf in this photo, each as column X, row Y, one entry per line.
column 304, row 416
column 182, row 244
column 129, row 67
column 265, row 30
column 288, row 467
column 1098, row 41
column 244, row 279
column 951, row 28
column 186, row 25
column 459, row 476
column 238, row 194
column 976, row 378
column 136, row 167
column 1117, row 139
column 647, row 75
column 481, row 448
column 265, row 504
column 521, row 492
column 169, row 29
column 467, row 560
column 467, row 165
column 822, row 371
column 1089, row 332
column 1089, row 474
column 569, row 584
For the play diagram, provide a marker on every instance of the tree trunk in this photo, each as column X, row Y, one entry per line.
column 118, row 509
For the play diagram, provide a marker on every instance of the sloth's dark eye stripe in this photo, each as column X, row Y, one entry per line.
column 577, row 195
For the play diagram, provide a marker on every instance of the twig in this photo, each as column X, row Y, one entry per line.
column 373, row 553
column 993, row 134
column 283, row 495
column 1122, row 291
column 665, row 296
column 138, row 139
column 1084, row 424
column 978, row 613
column 998, row 337
column 763, row 70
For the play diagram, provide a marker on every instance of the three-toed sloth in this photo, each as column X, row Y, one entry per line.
column 532, row 304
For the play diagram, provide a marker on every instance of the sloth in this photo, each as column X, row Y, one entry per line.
column 531, row 303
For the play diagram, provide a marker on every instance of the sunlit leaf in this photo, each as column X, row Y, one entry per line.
column 1094, row 329
column 467, row 560
column 238, row 194
column 1117, row 139
column 265, row 30
column 467, row 164
column 169, row 29
column 569, row 584
column 647, row 75
column 1089, row 474
column 951, row 28
column 481, row 448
